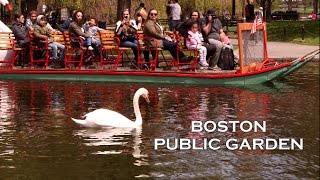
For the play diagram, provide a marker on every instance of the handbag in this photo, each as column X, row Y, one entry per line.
column 128, row 37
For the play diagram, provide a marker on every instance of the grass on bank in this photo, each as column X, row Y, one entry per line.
column 290, row 31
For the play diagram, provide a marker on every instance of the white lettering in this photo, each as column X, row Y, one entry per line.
column 245, row 144
column 206, row 126
column 299, row 145
column 196, row 126
column 242, row 124
column 262, row 127
column 234, row 125
column 159, row 142
column 175, row 144
column 194, row 145
column 211, row 142
column 222, row 126
column 269, row 145
column 283, row 144
column 185, row 144
column 234, row 146
column 257, row 142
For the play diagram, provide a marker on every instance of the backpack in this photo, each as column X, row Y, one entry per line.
column 226, row 60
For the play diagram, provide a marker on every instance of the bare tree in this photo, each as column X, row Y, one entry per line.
column 122, row 4
column 267, row 12
column 31, row 5
column 315, row 6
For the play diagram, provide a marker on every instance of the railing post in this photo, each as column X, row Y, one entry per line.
column 227, row 25
column 285, row 33
column 302, row 33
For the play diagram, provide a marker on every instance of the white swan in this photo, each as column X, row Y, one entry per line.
column 106, row 117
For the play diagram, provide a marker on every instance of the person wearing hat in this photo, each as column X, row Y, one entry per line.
column 42, row 34
column 212, row 30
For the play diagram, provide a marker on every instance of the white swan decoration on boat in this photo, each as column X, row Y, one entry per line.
column 109, row 118
column 5, row 54
column 3, row 27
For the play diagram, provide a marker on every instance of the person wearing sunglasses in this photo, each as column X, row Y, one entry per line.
column 152, row 29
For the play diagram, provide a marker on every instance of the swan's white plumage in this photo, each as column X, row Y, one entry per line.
column 114, row 119
column 106, row 117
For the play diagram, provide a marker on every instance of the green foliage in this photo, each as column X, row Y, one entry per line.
column 107, row 9
column 291, row 31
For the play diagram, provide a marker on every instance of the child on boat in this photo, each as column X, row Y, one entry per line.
column 194, row 42
column 92, row 29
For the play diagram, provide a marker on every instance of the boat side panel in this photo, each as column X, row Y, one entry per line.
column 238, row 80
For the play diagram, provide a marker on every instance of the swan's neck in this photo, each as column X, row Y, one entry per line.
column 137, row 110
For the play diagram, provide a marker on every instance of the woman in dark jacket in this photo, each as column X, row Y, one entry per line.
column 20, row 32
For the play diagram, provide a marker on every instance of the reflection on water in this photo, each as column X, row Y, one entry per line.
column 38, row 139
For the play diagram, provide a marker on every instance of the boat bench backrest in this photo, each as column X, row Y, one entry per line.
column 108, row 38
column 58, row 37
column 6, row 41
column 34, row 43
column 72, row 42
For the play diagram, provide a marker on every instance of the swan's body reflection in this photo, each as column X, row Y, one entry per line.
column 115, row 137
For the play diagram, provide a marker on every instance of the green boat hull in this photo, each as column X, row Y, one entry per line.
column 143, row 77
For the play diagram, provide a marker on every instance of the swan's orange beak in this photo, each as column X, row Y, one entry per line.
column 147, row 99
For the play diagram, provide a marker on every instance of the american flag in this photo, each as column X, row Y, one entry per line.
column 257, row 22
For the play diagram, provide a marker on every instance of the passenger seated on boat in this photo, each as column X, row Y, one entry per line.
column 194, row 42
column 152, row 29
column 139, row 22
column 20, row 32
column 75, row 29
column 212, row 29
column 126, row 30
column 32, row 21
column 186, row 25
column 92, row 29
column 41, row 34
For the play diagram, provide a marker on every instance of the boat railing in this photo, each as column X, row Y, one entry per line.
column 78, row 55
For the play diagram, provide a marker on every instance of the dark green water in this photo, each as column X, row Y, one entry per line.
column 38, row 140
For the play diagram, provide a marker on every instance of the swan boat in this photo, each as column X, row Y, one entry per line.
column 5, row 54
column 255, row 67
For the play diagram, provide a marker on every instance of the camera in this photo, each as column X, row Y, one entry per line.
column 126, row 17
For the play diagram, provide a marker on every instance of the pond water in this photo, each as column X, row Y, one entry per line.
column 38, row 139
